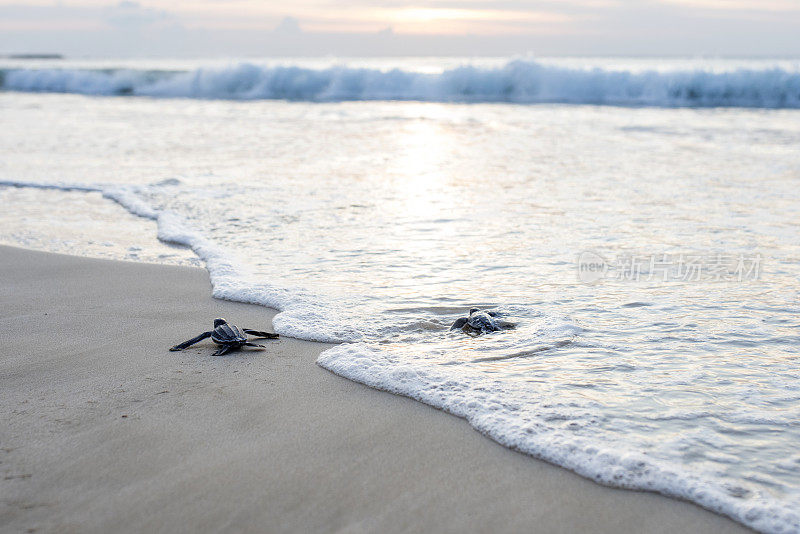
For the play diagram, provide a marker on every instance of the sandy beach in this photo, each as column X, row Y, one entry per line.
column 104, row 430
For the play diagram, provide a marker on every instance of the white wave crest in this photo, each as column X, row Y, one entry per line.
column 518, row 81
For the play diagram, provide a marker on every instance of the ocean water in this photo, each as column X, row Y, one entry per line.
column 636, row 219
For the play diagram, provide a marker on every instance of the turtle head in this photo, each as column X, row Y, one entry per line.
column 219, row 321
column 473, row 310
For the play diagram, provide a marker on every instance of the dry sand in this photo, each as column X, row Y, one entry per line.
column 103, row 430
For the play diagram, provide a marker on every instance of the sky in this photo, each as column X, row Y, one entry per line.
column 189, row 28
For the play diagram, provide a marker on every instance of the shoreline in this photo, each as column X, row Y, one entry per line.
column 104, row 429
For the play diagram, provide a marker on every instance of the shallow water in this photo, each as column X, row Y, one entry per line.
column 672, row 368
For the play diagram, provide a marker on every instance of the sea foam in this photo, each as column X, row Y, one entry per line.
column 518, row 81
column 304, row 314
column 529, row 429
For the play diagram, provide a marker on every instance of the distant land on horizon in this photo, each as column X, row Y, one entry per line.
column 32, row 56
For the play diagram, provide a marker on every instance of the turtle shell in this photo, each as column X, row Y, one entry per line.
column 228, row 334
column 482, row 321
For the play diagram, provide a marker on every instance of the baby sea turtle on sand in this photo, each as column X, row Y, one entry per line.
column 481, row 322
column 227, row 336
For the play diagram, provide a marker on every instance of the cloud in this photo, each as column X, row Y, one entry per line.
column 132, row 15
column 739, row 5
column 123, row 15
column 289, row 26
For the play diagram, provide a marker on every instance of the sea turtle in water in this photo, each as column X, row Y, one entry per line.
column 481, row 322
column 227, row 336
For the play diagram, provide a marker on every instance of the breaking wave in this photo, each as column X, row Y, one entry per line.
column 518, row 81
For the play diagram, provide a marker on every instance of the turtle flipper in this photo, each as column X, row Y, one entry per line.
column 255, row 345
column 191, row 342
column 224, row 349
column 471, row 330
column 259, row 333
column 460, row 322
